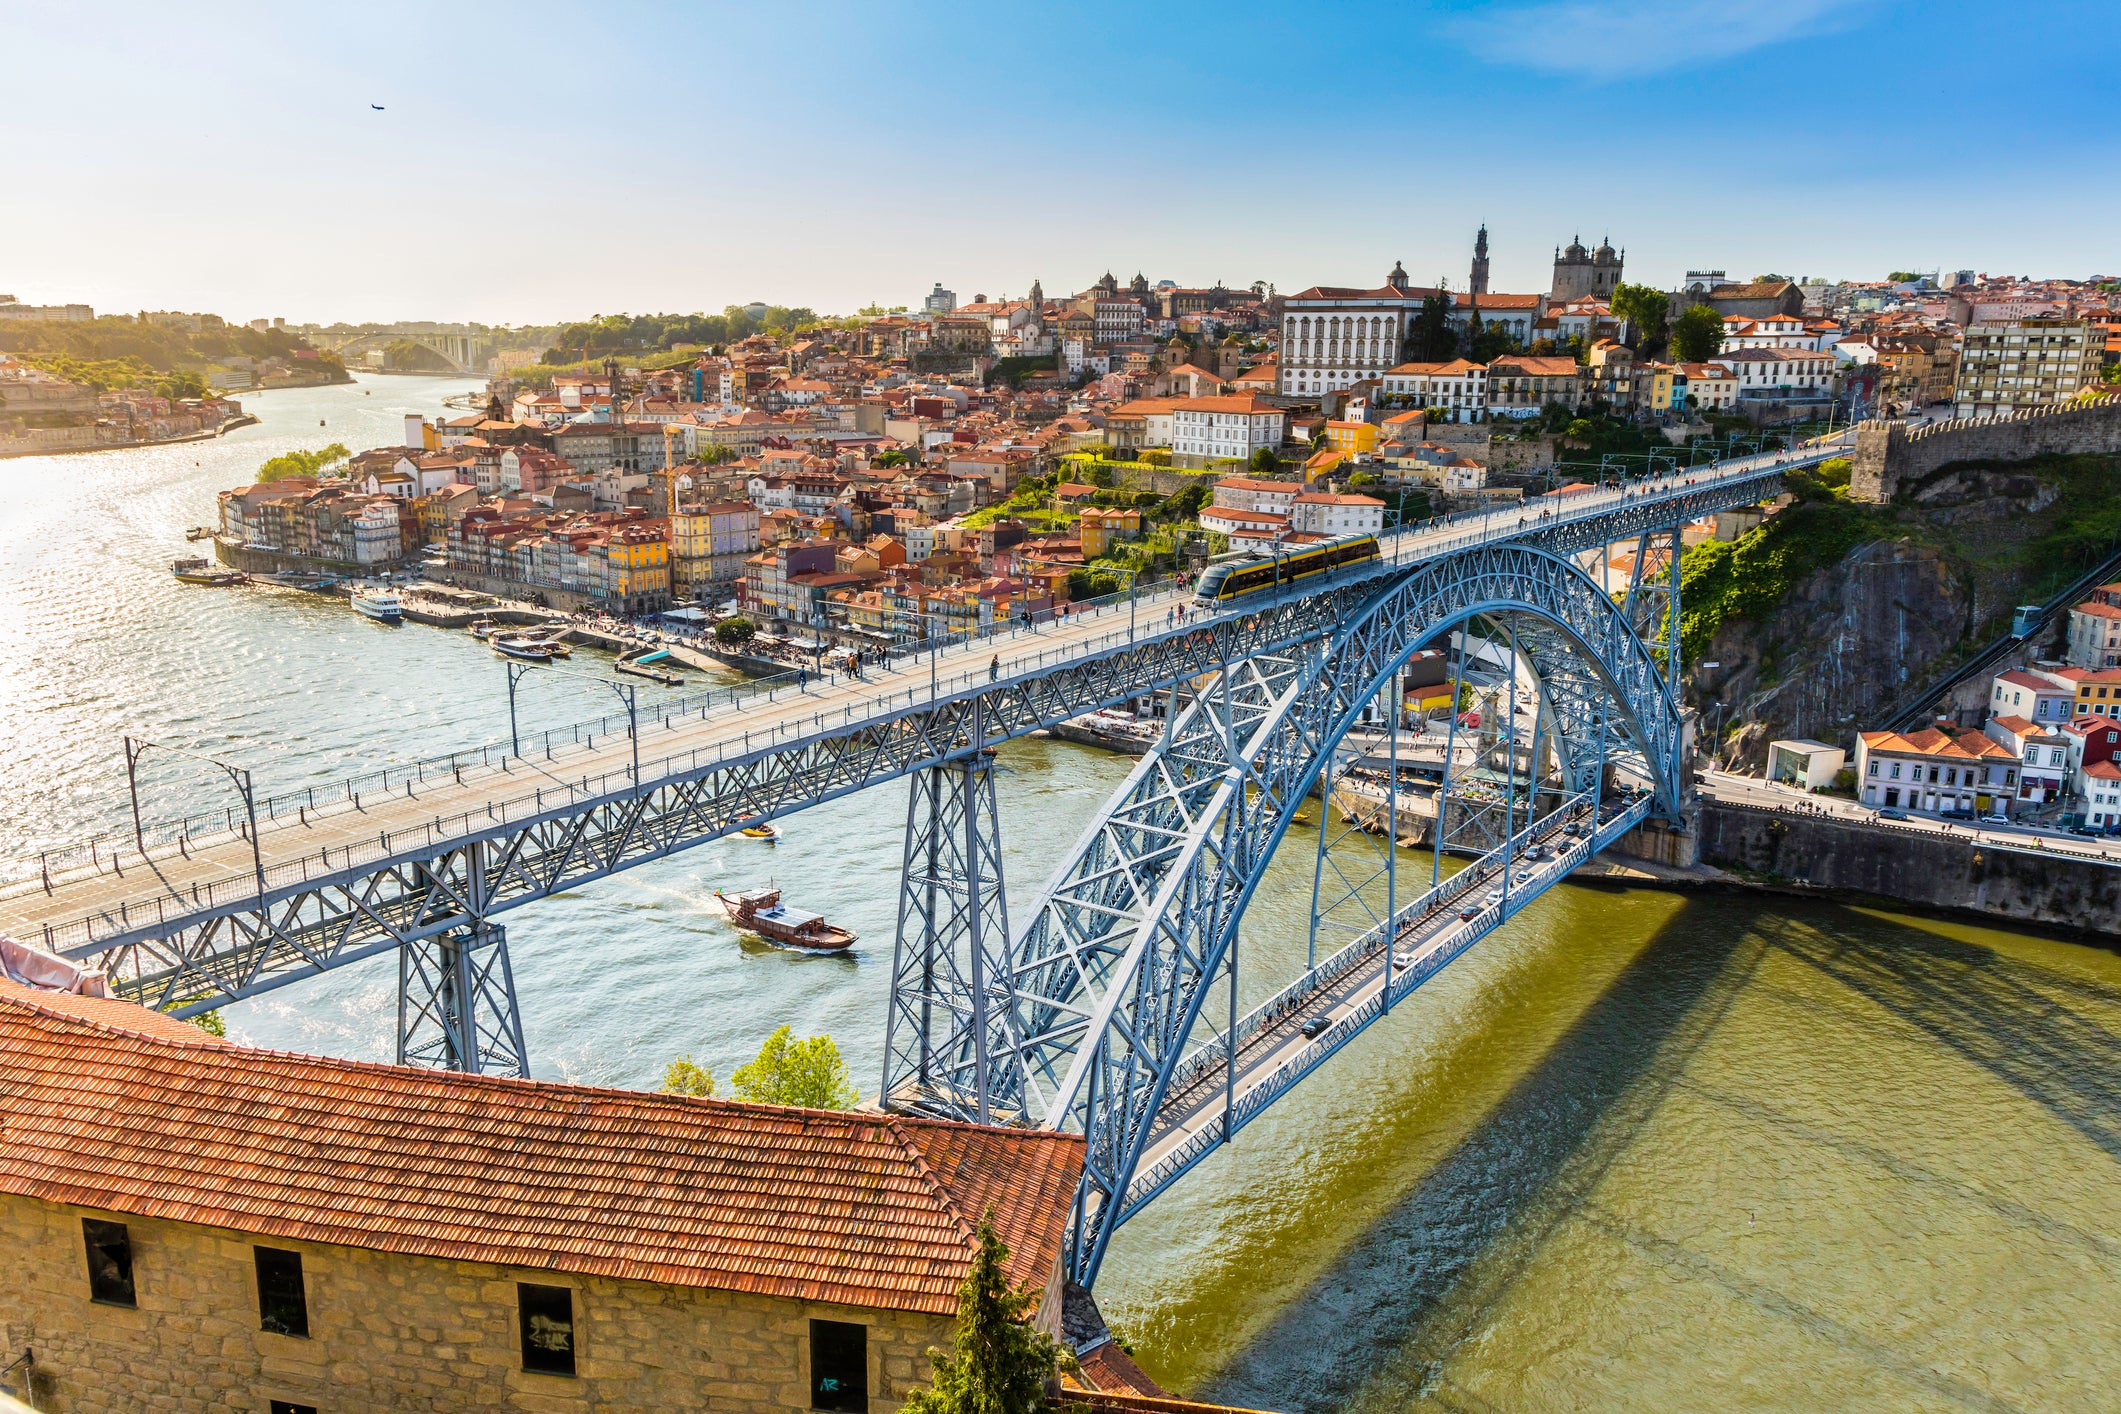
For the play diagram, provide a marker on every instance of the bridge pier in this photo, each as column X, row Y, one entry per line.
column 457, row 1003
column 949, row 961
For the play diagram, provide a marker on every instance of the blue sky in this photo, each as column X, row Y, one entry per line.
column 540, row 162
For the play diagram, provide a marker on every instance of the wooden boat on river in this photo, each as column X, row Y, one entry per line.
column 761, row 911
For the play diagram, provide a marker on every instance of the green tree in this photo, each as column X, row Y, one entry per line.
column 734, row 632
column 1432, row 339
column 302, row 463
column 1646, row 309
column 1903, row 277
column 996, row 1364
column 682, row 1077
column 714, row 454
column 889, row 459
column 806, row 1072
column 1697, row 334
column 210, row 1022
column 1265, row 462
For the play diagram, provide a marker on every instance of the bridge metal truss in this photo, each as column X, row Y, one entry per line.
column 1098, row 995
column 432, row 894
column 169, row 953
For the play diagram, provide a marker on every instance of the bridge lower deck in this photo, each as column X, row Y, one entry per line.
column 1206, row 1104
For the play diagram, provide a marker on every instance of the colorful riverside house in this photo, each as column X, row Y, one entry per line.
column 638, row 567
column 185, row 1218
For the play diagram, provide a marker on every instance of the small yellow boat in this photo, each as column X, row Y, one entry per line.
column 761, row 831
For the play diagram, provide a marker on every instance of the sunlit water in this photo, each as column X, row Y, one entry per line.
column 1639, row 1151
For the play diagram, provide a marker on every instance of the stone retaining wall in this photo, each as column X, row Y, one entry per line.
column 1890, row 455
column 1916, row 866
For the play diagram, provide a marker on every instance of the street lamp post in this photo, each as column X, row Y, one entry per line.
column 136, row 747
column 627, row 693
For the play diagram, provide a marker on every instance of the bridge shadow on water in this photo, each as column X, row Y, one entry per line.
column 1380, row 1327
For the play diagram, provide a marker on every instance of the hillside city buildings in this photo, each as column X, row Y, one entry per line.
column 995, row 457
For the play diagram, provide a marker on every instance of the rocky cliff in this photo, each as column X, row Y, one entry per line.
column 1829, row 611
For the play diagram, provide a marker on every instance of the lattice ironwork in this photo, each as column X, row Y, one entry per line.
column 949, row 970
column 1110, row 971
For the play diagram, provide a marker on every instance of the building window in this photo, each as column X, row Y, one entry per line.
column 546, row 1315
column 110, row 1262
column 283, row 1307
column 282, row 1406
column 839, row 1366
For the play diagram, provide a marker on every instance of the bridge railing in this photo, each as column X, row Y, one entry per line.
column 1259, row 1093
column 105, row 853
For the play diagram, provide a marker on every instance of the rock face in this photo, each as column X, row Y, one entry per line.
column 1851, row 638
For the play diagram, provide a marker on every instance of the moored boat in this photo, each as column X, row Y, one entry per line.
column 524, row 652
column 206, row 574
column 761, row 911
column 534, row 639
column 380, row 605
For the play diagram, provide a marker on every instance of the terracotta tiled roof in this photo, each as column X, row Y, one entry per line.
column 863, row 1209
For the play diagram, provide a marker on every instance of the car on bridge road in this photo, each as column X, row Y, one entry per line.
column 1315, row 1027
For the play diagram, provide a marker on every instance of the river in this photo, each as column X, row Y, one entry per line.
column 1638, row 1151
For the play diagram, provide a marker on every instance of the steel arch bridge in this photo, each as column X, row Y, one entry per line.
column 1084, row 1018
column 1113, row 1009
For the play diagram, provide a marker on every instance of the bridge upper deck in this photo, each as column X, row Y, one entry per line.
column 121, row 894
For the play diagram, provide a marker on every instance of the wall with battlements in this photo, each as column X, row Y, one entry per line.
column 1890, row 456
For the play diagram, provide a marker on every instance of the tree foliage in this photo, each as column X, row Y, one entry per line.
column 1265, row 462
column 162, row 348
column 1697, row 334
column 302, row 463
column 734, row 632
column 996, row 1364
column 1646, row 309
column 1432, row 339
column 807, row 1072
column 682, row 1077
column 608, row 334
column 1720, row 581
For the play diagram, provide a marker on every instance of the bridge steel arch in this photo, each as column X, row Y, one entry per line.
column 1095, row 1003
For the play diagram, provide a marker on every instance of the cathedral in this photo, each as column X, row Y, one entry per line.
column 1579, row 272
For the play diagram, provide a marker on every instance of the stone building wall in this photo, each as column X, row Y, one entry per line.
column 1889, row 455
column 392, row 1332
column 1917, row 866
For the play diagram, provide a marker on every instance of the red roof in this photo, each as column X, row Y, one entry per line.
column 110, row 1111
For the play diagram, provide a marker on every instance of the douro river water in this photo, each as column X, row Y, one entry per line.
column 1639, row 1151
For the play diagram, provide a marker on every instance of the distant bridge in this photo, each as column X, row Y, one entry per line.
column 1085, row 1016
column 464, row 353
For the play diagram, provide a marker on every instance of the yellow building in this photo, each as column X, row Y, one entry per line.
column 637, row 572
column 1661, row 375
column 1101, row 528
column 1351, row 438
column 195, row 1224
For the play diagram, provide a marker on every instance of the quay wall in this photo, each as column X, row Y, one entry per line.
column 1890, row 455
column 1926, row 868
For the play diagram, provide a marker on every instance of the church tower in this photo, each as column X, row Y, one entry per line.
column 1479, row 283
column 1398, row 278
column 1037, row 297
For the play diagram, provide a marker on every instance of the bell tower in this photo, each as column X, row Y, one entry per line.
column 1479, row 283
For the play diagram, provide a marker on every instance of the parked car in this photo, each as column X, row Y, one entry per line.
column 1892, row 814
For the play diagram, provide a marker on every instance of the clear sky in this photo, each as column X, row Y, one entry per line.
column 537, row 162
